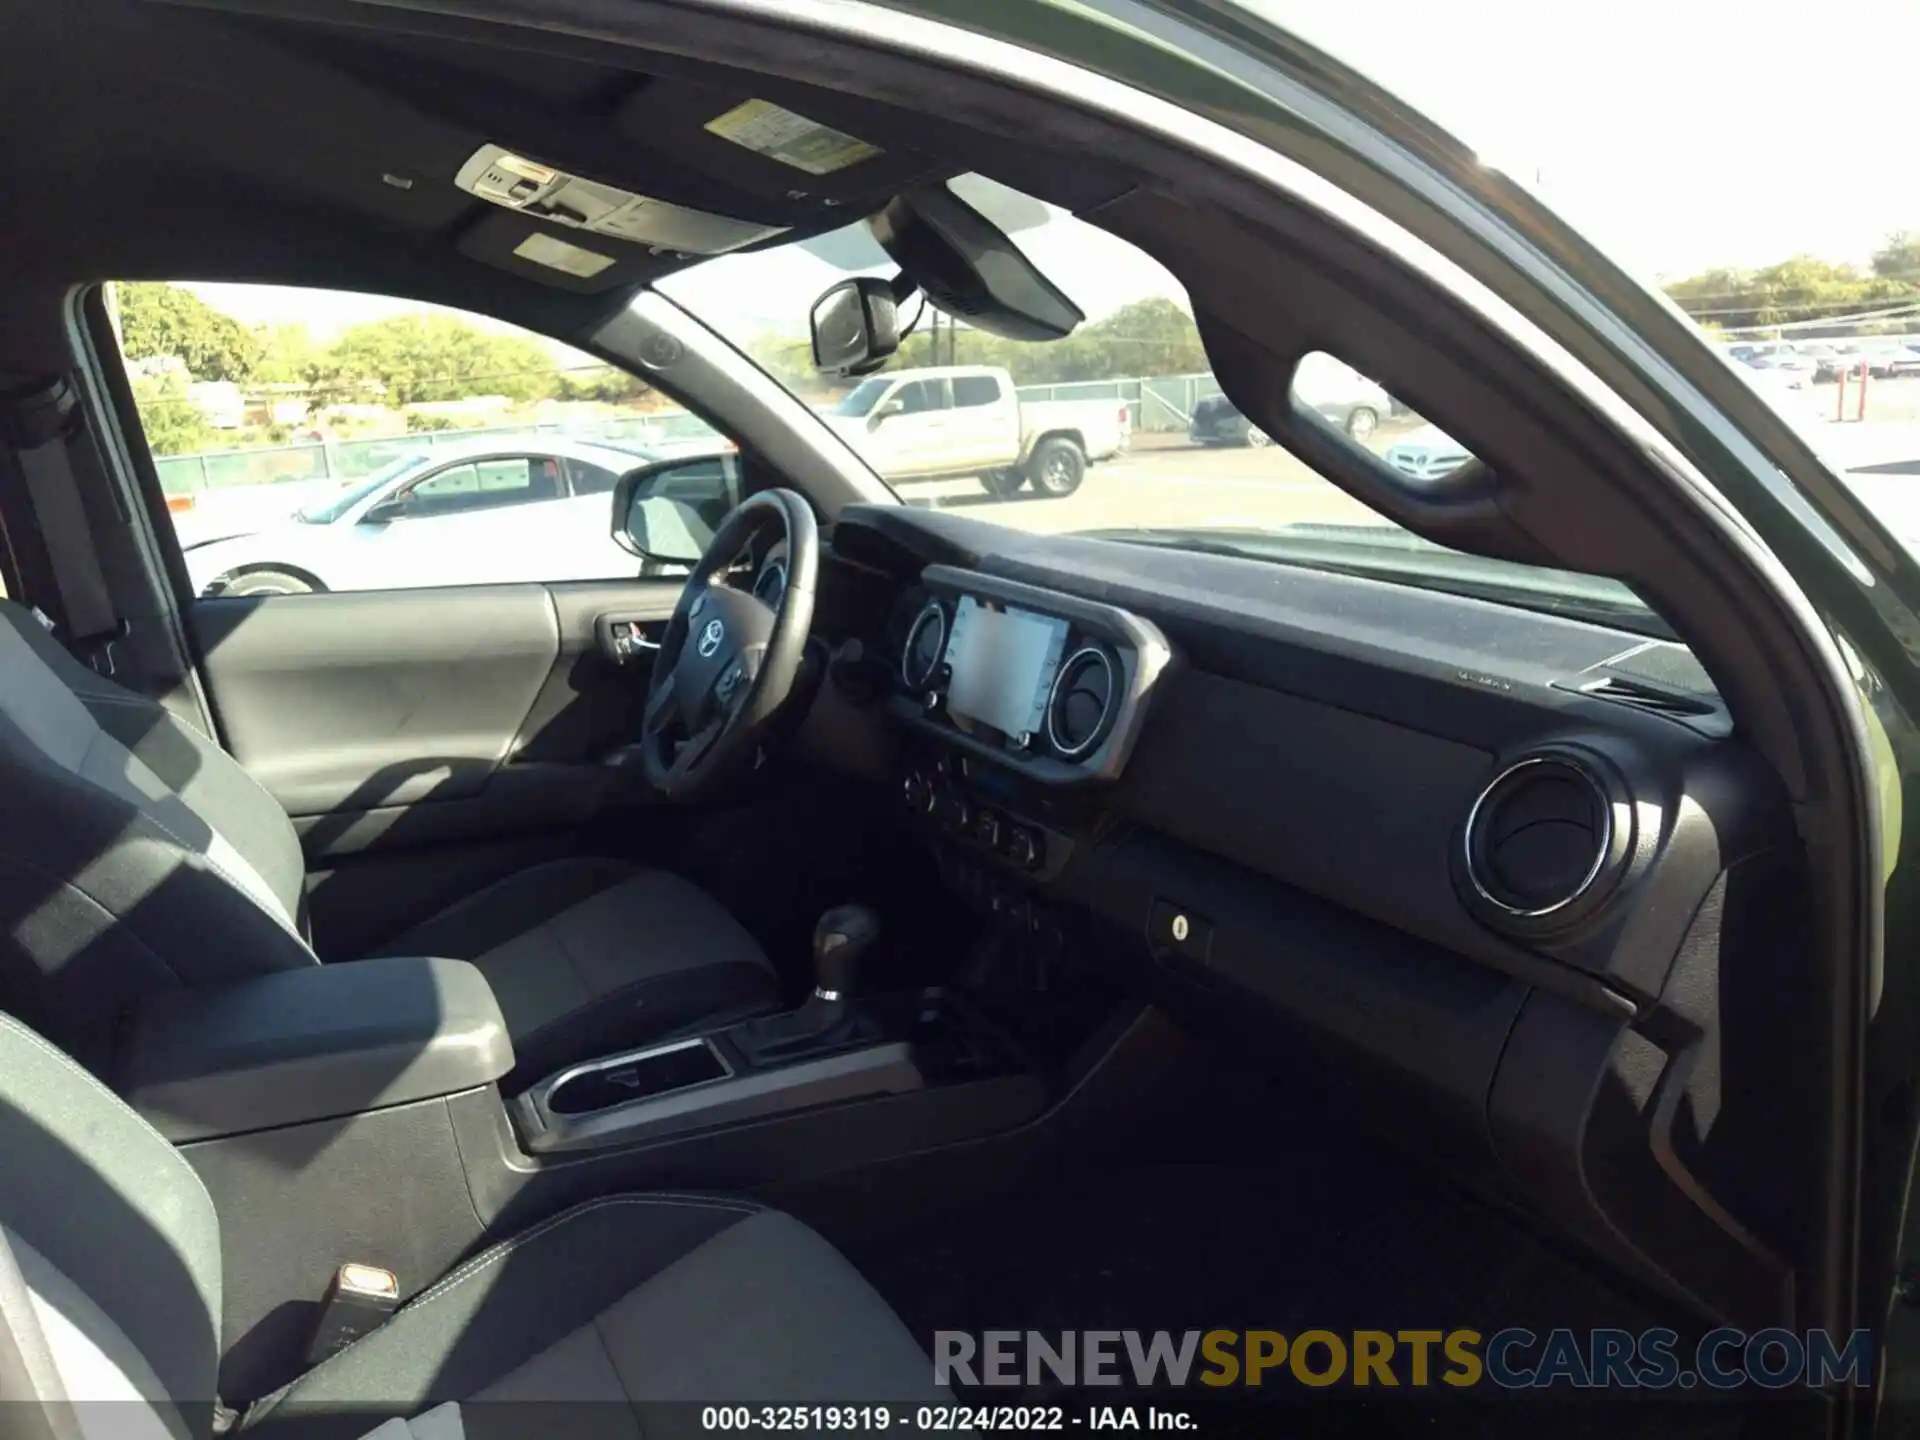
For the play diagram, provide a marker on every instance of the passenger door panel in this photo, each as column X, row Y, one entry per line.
column 427, row 741
column 360, row 699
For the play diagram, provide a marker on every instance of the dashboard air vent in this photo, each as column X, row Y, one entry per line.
column 1081, row 707
column 1539, row 836
column 926, row 641
column 1642, row 696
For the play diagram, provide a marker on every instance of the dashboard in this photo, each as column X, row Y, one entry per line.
column 1047, row 684
column 1493, row 873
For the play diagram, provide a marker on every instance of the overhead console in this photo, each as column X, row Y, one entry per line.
column 1051, row 686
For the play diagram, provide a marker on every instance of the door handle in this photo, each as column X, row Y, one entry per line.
column 629, row 639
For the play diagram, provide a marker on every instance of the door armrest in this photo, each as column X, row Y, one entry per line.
column 310, row 1044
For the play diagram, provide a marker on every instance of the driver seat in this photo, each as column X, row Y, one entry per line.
column 137, row 856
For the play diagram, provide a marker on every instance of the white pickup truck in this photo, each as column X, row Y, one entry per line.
column 958, row 420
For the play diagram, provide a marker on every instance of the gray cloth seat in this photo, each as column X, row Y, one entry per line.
column 136, row 855
column 589, row 953
column 621, row 1317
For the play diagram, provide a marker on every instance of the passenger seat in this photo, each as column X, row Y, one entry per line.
column 632, row 1311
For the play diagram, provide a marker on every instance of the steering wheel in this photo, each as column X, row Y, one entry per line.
column 728, row 660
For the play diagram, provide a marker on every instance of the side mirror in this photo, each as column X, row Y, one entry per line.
column 669, row 510
column 386, row 512
column 856, row 326
column 892, row 406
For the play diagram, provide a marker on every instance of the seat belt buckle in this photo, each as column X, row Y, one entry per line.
column 97, row 650
column 359, row 1300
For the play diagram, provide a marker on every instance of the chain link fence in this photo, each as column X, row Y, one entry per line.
column 1155, row 404
column 319, row 460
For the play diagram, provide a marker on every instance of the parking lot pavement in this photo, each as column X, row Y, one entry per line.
column 1165, row 487
column 1168, row 482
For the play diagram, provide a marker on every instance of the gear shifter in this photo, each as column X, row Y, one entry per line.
column 844, row 934
column 827, row 1019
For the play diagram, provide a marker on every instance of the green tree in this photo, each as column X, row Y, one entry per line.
column 608, row 384
column 1803, row 288
column 288, row 355
column 159, row 321
column 173, row 423
column 1899, row 258
column 410, row 359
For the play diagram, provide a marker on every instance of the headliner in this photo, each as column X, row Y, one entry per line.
column 166, row 142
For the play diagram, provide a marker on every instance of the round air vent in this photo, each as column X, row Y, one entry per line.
column 1081, row 706
column 926, row 641
column 1539, row 837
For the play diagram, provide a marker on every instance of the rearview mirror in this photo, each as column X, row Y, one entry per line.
column 668, row 511
column 966, row 266
column 856, row 327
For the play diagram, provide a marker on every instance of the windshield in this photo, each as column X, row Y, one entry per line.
column 326, row 512
column 862, row 398
column 1121, row 431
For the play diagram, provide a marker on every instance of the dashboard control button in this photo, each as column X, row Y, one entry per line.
column 916, row 792
column 1024, row 848
column 987, row 828
column 1175, row 931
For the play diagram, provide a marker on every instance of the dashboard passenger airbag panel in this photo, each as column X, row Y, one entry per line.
column 1429, row 1020
column 1354, row 808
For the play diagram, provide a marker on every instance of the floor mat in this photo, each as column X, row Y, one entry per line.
column 1361, row 1241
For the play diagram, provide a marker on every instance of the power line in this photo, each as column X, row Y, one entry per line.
column 316, row 392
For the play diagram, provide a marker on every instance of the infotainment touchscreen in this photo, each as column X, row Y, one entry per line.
column 1002, row 664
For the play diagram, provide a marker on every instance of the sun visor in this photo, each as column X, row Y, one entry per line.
column 814, row 155
column 567, row 259
column 603, row 212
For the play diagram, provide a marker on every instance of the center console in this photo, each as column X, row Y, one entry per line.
column 827, row 1050
column 694, row 1084
column 1022, row 704
column 352, row 1114
column 1040, row 683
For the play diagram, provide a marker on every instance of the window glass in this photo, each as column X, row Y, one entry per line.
column 485, row 485
column 447, row 489
column 291, row 428
column 919, row 396
column 589, row 479
column 1120, row 430
column 971, row 390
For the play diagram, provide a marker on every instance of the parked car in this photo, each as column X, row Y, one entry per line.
column 937, row 422
column 1341, row 395
column 1427, row 453
column 1831, row 361
column 671, row 435
column 489, row 510
column 1895, row 363
column 1785, row 362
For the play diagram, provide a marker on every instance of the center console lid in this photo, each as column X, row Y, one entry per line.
column 308, row 1044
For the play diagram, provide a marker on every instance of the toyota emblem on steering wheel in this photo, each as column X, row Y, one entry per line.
column 710, row 639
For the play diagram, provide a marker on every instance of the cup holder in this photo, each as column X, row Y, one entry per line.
column 640, row 1075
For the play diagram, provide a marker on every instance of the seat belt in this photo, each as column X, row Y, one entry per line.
column 32, row 1394
column 40, row 422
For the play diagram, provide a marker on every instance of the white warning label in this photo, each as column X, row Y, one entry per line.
column 767, row 129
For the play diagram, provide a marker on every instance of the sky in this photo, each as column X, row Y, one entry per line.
column 1677, row 134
